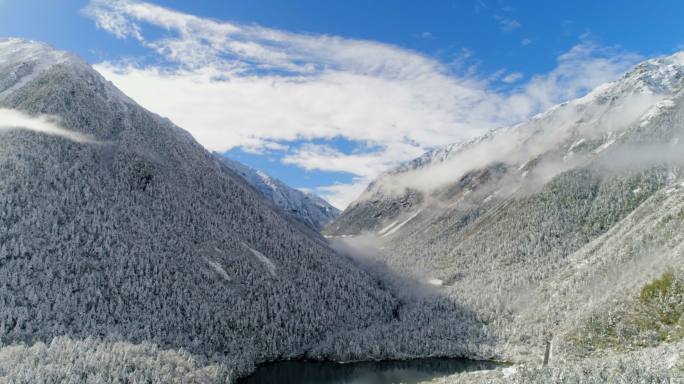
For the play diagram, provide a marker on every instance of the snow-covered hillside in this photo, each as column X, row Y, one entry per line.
column 305, row 207
column 135, row 234
column 540, row 228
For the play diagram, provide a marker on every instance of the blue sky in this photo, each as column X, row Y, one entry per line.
column 327, row 94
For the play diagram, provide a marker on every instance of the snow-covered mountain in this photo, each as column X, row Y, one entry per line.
column 305, row 207
column 582, row 128
column 117, row 227
column 541, row 227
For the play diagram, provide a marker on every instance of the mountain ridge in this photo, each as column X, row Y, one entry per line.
column 656, row 77
column 305, row 207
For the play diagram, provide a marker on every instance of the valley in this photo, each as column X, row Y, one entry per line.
column 130, row 253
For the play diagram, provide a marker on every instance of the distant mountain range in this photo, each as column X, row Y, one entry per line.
column 305, row 207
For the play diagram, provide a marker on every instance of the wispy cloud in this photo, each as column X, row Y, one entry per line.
column 340, row 195
column 424, row 35
column 11, row 119
column 507, row 24
column 234, row 85
column 480, row 6
column 512, row 77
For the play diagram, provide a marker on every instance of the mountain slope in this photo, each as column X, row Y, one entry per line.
column 136, row 233
column 305, row 207
column 492, row 221
column 592, row 311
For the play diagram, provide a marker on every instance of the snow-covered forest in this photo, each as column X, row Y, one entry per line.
column 142, row 236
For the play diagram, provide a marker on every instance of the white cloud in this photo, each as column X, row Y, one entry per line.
column 512, row 77
column 423, row 35
column 340, row 195
column 234, row 85
column 11, row 119
column 507, row 24
column 327, row 158
column 526, row 41
column 579, row 70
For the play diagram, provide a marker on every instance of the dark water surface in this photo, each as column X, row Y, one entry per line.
column 382, row 372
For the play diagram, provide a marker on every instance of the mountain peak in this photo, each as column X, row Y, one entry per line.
column 38, row 79
column 22, row 60
column 659, row 75
column 15, row 51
